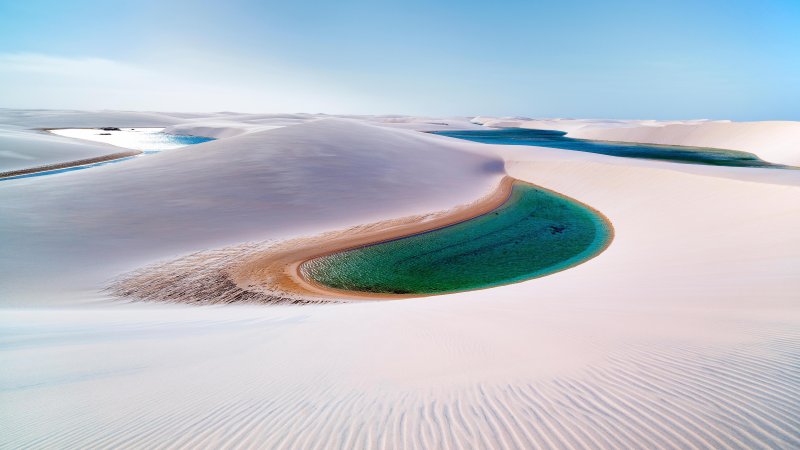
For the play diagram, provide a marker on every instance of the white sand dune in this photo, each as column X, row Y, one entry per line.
column 222, row 125
column 218, row 129
column 22, row 146
column 683, row 334
column 38, row 118
column 279, row 183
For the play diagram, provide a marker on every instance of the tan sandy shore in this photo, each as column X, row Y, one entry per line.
column 279, row 268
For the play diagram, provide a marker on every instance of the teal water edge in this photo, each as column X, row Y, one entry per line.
column 558, row 139
column 534, row 233
column 146, row 141
column 66, row 169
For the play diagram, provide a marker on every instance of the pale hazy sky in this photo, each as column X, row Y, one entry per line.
column 614, row 59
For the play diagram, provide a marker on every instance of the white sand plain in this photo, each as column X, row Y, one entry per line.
column 685, row 333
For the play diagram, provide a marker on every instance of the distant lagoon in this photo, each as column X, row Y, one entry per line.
column 148, row 140
column 558, row 139
column 145, row 140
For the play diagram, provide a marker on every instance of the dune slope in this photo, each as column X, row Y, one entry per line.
column 280, row 183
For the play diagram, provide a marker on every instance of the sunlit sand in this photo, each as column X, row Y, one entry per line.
column 154, row 302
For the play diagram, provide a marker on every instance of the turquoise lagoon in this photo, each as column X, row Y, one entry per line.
column 534, row 233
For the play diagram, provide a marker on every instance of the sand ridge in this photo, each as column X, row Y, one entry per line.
column 70, row 164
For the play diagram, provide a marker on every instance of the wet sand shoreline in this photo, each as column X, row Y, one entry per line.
column 282, row 267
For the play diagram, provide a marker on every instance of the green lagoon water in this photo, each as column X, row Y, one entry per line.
column 534, row 233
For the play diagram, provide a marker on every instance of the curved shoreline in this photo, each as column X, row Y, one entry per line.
column 282, row 268
column 69, row 164
column 279, row 268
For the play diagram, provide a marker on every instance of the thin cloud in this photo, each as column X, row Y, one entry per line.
column 78, row 67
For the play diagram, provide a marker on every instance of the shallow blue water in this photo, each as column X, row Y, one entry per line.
column 558, row 139
column 147, row 141
column 156, row 142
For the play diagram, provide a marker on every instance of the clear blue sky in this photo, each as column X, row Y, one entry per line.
column 611, row 59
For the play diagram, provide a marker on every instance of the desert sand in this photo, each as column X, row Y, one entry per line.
column 682, row 334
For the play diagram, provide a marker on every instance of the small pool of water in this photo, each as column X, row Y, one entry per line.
column 534, row 233
column 558, row 139
column 147, row 140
